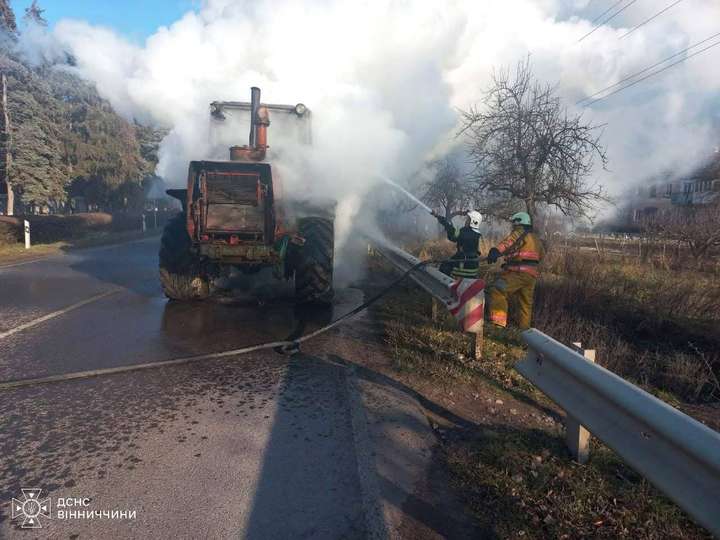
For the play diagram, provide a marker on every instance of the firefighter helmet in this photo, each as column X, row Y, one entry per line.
column 475, row 218
column 521, row 218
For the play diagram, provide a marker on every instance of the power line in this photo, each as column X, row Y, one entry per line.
column 650, row 19
column 610, row 18
column 654, row 73
column 647, row 69
column 616, row 4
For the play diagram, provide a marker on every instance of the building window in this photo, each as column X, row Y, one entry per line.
column 668, row 190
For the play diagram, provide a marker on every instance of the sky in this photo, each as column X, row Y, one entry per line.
column 134, row 19
column 386, row 78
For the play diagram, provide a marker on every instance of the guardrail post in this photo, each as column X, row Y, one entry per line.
column 435, row 309
column 577, row 437
column 476, row 342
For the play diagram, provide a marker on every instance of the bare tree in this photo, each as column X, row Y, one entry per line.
column 696, row 227
column 449, row 189
column 35, row 14
column 528, row 151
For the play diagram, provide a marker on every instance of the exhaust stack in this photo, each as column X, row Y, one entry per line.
column 254, row 106
column 259, row 121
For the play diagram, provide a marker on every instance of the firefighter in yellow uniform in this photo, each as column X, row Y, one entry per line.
column 523, row 252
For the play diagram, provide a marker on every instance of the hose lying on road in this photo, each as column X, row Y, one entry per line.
column 291, row 346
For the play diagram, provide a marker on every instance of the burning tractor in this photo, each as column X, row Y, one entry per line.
column 234, row 219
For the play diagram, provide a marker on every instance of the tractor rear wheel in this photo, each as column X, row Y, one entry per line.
column 314, row 262
column 180, row 271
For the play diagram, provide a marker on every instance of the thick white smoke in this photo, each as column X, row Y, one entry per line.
column 385, row 78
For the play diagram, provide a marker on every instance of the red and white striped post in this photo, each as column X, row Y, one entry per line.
column 468, row 308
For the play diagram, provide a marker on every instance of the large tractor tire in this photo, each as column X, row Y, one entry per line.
column 180, row 272
column 314, row 264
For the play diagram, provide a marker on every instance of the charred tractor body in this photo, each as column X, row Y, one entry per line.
column 234, row 219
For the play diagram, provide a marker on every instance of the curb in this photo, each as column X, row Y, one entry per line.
column 394, row 447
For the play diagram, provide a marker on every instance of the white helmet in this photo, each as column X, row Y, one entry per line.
column 475, row 220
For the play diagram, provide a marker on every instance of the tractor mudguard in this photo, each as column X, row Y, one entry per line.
column 180, row 195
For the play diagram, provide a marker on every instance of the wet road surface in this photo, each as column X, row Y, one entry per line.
column 258, row 446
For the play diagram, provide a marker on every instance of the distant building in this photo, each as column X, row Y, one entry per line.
column 668, row 191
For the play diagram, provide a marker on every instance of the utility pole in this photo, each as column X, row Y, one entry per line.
column 5, row 144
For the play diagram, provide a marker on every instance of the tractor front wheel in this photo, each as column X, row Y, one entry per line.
column 314, row 262
column 180, row 271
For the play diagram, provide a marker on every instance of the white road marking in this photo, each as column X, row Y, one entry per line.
column 29, row 261
column 57, row 313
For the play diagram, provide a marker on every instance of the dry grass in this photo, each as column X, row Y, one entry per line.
column 521, row 483
column 516, row 477
column 654, row 327
column 658, row 328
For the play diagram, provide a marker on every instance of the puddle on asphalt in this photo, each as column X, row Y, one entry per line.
column 248, row 318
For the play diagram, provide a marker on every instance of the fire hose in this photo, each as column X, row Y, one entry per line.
column 287, row 346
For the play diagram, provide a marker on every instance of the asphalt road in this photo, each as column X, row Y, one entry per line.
column 258, row 446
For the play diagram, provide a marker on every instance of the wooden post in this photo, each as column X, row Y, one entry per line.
column 435, row 309
column 577, row 437
column 476, row 343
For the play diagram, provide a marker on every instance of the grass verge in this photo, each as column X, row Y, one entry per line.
column 11, row 253
column 509, row 460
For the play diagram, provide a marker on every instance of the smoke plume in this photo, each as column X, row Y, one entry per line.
column 384, row 79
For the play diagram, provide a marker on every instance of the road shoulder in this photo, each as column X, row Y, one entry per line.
column 16, row 254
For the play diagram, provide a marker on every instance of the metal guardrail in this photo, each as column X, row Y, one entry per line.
column 430, row 279
column 679, row 455
column 438, row 286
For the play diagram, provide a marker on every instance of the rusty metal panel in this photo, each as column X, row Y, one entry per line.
column 233, row 188
column 234, row 203
column 234, row 218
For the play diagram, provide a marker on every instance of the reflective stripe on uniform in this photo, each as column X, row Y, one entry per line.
column 498, row 317
column 465, row 272
column 508, row 242
column 532, row 270
column 527, row 255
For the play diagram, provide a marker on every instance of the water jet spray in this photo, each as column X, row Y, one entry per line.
column 407, row 193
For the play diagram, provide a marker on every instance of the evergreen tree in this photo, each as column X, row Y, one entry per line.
column 64, row 139
column 102, row 147
column 39, row 170
column 7, row 18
